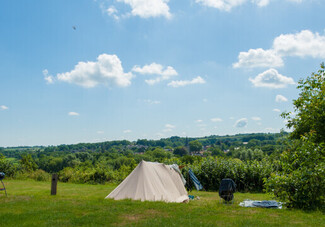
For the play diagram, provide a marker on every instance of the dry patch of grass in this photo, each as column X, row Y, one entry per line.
column 250, row 211
column 17, row 198
column 129, row 219
column 274, row 215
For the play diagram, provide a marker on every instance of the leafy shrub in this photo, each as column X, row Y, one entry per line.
column 180, row 151
column 40, row 175
column 52, row 164
column 248, row 175
column 66, row 174
column 27, row 163
column 94, row 175
column 301, row 181
column 7, row 167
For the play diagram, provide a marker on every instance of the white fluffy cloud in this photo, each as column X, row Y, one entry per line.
column 280, row 98
column 152, row 102
column 272, row 79
column 276, row 110
column 127, row 131
column 156, row 69
column 112, row 11
column 47, row 77
column 261, row 3
column 216, row 119
column 258, row 58
column 241, row 123
column 148, row 8
column 256, row 119
column 169, row 128
column 182, row 83
column 3, row 107
column 225, row 5
column 73, row 114
column 302, row 44
column 107, row 70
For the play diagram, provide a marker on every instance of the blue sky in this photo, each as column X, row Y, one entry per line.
column 89, row 71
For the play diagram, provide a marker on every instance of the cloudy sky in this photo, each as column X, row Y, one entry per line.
column 97, row 70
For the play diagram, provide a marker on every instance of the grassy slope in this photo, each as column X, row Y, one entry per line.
column 29, row 204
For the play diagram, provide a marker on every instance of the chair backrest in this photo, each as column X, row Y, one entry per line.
column 227, row 188
column 2, row 175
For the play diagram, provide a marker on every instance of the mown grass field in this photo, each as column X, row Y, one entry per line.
column 29, row 203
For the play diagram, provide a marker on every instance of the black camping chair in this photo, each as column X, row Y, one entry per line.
column 2, row 175
column 227, row 189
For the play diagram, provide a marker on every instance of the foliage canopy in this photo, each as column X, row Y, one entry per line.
column 195, row 146
column 301, row 179
column 309, row 108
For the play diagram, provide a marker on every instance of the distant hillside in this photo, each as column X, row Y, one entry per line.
column 268, row 142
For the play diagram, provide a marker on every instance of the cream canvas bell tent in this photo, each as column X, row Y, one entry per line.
column 153, row 182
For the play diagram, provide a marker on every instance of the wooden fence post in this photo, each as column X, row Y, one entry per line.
column 54, row 184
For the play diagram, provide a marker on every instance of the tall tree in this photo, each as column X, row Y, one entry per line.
column 181, row 151
column 195, row 146
column 309, row 108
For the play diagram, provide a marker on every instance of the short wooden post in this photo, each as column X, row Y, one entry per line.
column 54, row 184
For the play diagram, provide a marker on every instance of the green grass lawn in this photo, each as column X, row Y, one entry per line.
column 29, row 203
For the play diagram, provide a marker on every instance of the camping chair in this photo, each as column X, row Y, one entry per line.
column 227, row 189
column 2, row 175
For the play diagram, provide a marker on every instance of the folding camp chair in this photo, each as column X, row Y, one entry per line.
column 2, row 175
column 227, row 189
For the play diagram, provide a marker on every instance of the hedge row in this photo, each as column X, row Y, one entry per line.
column 249, row 176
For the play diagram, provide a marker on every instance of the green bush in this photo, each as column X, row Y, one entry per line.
column 301, row 181
column 7, row 167
column 248, row 175
column 40, row 175
column 27, row 163
column 94, row 175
